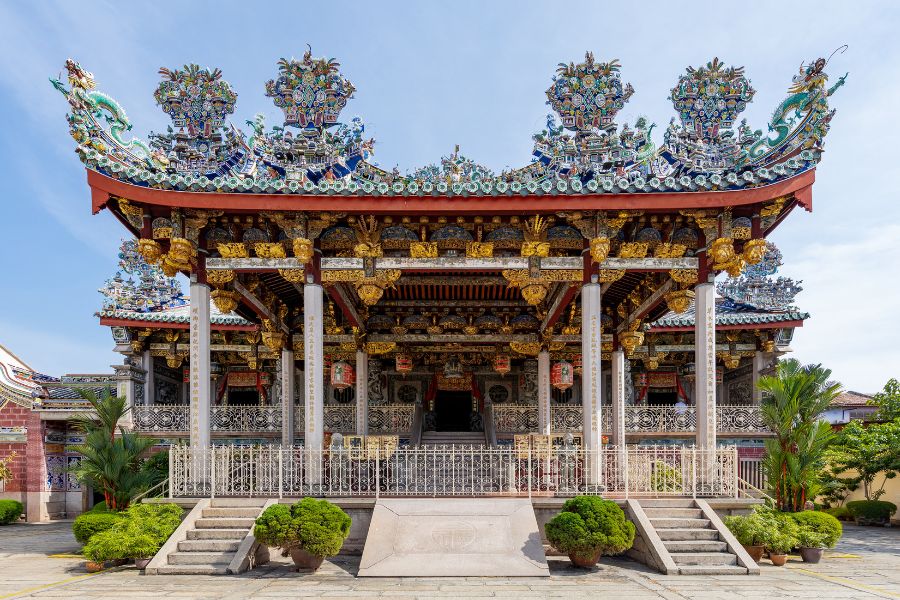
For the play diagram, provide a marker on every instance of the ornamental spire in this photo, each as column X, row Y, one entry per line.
column 146, row 288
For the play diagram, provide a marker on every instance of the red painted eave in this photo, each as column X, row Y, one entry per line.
column 102, row 187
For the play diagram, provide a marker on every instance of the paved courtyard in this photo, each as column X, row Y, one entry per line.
column 35, row 561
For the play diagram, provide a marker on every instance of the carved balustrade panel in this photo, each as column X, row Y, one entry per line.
column 740, row 418
column 391, row 418
column 245, row 418
column 340, row 418
column 163, row 418
column 566, row 418
column 515, row 418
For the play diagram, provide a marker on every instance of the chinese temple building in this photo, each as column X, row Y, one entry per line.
column 453, row 306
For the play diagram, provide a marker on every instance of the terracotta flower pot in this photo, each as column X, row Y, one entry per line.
column 778, row 559
column 811, row 555
column 755, row 552
column 305, row 560
column 93, row 567
column 141, row 563
column 585, row 563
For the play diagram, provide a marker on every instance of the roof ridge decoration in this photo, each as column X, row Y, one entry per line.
column 756, row 289
column 586, row 152
column 152, row 292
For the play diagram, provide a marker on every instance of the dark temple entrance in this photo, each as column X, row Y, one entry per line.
column 453, row 411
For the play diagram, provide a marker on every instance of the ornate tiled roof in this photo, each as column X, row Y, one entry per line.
column 18, row 382
column 177, row 314
column 585, row 152
column 728, row 314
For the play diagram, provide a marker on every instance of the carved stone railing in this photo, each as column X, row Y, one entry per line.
column 340, row 418
column 161, row 418
column 740, row 419
column 264, row 419
column 391, row 418
column 515, row 418
column 523, row 418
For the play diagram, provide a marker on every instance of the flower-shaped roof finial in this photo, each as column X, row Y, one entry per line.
column 197, row 99
column 709, row 99
column 588, row 95
column 311, row 92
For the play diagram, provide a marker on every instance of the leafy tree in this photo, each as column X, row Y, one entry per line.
column 888, row 401
column 868, row 451
column 111, row 456
column 797, row 396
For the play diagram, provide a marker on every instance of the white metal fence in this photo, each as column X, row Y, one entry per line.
column 277, row 471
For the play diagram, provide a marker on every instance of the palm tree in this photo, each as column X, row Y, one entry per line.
column 797, row 396
column 111, row 456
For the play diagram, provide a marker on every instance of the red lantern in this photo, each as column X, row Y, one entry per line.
column 342, row 375
column 562, row 376
column 502, row 364
column 403, row 363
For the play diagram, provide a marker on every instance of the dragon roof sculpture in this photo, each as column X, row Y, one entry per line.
column 586, row 151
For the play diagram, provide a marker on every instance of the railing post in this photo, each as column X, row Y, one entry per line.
column 734, row 468
column 693, row 471
column 171, row 469
column 212, row 471
column 529, row 469
column 625, row 454
column 377, row 472
column 280, row 471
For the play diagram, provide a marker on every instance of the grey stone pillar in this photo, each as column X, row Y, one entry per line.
column 705, row 361
column 149, row 378
column 618, row 399
column 592, row 377
column 759, row 363
column 314, row 375
column 544, row 392
column 362, row 393
column 199, row 387
column 287, row 396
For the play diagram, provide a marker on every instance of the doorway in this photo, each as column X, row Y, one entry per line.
column 662, row 398
column 453, row 411
column 243, row 397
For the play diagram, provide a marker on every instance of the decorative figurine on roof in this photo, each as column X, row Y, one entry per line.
column 708, row 100
column 588, row 95
column 311, row 92
column 198, row 101
column 756, row 289
column 455, row 168
column 151, row 292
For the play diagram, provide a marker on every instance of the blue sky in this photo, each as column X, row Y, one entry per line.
column 432, row 75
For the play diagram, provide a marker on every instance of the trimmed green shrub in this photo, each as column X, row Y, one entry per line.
column 89, row 524
column 664, row 478
column 317, row 526
column 588, row 524
column 808, row 538
column 10, row 511
column 100, row 507
column 139, row 532
column 820, row 523
column 841, row 513
column 871, row 511
column 763, row 527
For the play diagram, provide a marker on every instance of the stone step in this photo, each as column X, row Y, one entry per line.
column 231, row 512
column 669, row 513
column 209, row 545
column 201, row 558
column 704, row 558
column 711, row 570
column 224, row 523
column 237, row 502
column 667, row 503
column 678, row 535
column 192, row 570
column 695, row 546
column 216, row 534
column 664, row 523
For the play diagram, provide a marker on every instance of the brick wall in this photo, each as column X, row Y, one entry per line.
column 13, row 415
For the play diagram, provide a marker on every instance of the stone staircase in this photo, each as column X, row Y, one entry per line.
column 212, row 542
column 453, row 438
column 687, row 532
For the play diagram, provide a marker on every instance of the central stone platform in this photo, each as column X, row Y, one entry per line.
column 453, row 537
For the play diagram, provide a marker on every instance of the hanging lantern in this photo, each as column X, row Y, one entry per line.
column 403, row 363
column 576, row 360
column 342, row 375
column 562, row 376
column 453, row 368
column 502, row 364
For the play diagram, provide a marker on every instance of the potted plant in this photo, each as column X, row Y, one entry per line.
column 778, row 544
column 309, row 530
column 589, row 527
column 749, row 532
column 812, row 545
column 822, row 523
column 103, row 547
